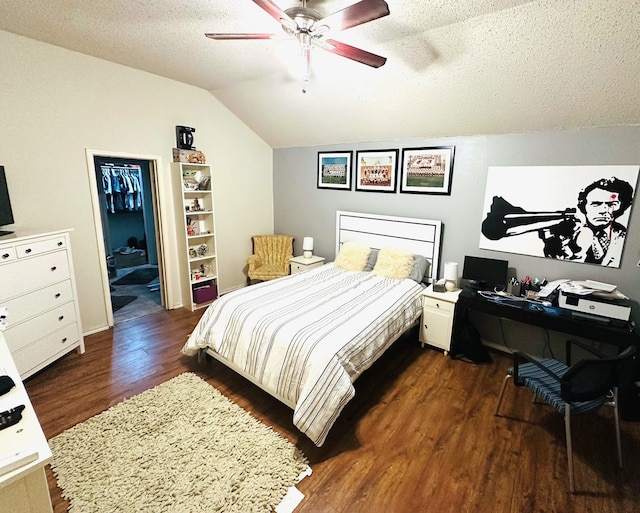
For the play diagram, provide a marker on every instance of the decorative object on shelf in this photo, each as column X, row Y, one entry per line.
column 193, row 253
column 307, row 247
column 334, row 170
column 376, row 171
column 427, row 170
column 451, row 276
column 189, row 156
column 203, row 249
column 184, row 137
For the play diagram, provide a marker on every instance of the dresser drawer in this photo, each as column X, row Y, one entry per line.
column 7, row 254
column 44, row 349
column 25, row 275
column 18, row 336
column 38, row 247
column 34, row 303
column 437, row 304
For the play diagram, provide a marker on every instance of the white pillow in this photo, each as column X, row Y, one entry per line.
column 353, row 256
column 394, row 263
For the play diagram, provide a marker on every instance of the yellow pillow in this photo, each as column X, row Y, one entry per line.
column 353, row 256
column 394, row 263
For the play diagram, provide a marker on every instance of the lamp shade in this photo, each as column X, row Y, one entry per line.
column 451, row 276
column 307, row 247
column 307, row 244
column 451, row 271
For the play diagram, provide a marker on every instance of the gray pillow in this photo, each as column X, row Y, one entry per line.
column 420, row 264
column 371, row 263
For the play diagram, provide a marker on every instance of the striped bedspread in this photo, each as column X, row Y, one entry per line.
column 308, row 336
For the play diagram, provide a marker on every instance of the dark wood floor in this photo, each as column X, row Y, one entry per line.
column 420, row 435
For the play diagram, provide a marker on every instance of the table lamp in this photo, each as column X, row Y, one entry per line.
column 307, row 247
column 451, row 276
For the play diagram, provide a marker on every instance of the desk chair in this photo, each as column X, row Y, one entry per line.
column 270, row 258
column 571, row 390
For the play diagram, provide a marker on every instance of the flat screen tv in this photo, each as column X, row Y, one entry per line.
column 6, row 214
column 485, row 273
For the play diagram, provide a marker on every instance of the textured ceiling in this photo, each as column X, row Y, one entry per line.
column 455, row 67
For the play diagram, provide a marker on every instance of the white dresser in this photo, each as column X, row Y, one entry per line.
column 38, row 288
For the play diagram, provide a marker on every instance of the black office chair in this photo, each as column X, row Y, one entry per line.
column 571, row 390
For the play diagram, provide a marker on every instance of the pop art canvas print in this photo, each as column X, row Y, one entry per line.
column 572, row 213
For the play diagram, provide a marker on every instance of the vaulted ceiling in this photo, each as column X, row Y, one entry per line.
column 455, row 67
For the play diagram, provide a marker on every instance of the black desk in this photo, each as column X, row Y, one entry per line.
column 555, row 319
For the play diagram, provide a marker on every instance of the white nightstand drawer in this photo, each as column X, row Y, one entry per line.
column 437, row 304
column 300, row 264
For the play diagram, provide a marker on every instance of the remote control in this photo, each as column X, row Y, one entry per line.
column 10, row 417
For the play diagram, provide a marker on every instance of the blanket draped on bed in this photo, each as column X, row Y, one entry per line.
column 307, row 337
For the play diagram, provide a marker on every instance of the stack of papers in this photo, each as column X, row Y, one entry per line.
column 588, row 287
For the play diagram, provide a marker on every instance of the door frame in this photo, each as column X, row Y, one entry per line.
column 161, row 215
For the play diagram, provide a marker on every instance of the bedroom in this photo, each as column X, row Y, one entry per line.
column 51, row 91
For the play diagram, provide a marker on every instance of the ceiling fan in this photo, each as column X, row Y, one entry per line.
column 309, row 28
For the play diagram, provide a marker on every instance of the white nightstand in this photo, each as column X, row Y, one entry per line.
column 300, row 264
column 437, row 318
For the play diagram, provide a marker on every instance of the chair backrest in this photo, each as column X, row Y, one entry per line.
column 273, row 249
column 590, row 379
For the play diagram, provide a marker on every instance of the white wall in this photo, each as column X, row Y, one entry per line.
column 55, row 103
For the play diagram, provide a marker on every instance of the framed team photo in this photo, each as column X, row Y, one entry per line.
column 427, row 170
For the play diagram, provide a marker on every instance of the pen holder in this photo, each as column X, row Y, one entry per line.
column 513, row 289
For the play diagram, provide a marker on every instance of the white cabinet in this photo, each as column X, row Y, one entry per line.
column 24, row 451
column 437, row 318
column 37, row 286
column 300, row 264
column 195, row 218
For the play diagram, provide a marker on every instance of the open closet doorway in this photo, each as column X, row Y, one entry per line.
column 127, row 221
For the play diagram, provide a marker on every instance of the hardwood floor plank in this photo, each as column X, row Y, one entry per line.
column 420, row 434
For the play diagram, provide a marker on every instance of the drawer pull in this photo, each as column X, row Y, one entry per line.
column 28, row 250
column 61, row 317
column 54, row 268
column 58, row 295
column 64, row 340
column 437, row 305
column 5, row 255
column 60, row 243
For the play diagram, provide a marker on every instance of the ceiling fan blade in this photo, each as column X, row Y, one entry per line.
column 216, row 35
column 356, row 14
column 273, row 10
column 353, row 53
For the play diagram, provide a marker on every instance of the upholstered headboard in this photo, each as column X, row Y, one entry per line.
column 420, row 236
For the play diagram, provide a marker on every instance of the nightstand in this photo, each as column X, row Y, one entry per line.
column 437, row 318
column 300, row 264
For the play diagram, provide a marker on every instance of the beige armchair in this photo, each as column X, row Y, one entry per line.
column 270, row 259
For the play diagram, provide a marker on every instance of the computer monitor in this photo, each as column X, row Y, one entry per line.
column 6, row 214
column 485, row 273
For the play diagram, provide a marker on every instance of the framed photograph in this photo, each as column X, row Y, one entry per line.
column 334, row 170
column 376, row 171
column 427, row 170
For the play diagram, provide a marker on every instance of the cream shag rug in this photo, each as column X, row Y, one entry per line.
column 179, row 447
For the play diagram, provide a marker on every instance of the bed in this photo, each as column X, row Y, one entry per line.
column 307, row 337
